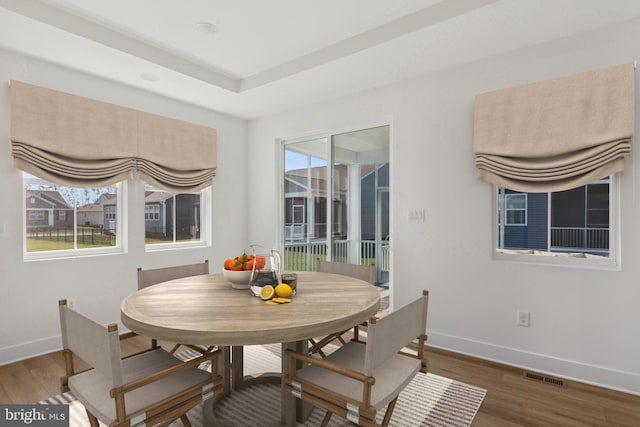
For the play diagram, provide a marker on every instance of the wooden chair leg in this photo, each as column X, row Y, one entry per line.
column 387, row 415
column 93, row 420
column 316, row 348
column 325, row 420
column 185, row 420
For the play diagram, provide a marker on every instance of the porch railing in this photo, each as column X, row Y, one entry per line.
column 584, row 239
column 302, row 256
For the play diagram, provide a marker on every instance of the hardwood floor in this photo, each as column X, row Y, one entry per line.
column 511, row 400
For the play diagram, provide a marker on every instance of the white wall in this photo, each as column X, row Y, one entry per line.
column 585, row 323
column 29, row 291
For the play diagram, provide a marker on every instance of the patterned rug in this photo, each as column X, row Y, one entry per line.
column 429, row 400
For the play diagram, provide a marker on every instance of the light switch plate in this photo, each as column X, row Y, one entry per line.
column 417, row 215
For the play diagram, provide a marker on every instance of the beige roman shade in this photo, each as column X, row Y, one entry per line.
column 556, row 134
column 76, row 141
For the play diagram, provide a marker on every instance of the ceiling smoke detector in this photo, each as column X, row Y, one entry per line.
column 206, row 28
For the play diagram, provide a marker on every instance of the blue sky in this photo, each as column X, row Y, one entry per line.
column 293, row 160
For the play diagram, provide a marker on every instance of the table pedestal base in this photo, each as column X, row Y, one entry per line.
column 262, row 394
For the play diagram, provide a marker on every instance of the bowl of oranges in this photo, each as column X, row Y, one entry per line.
column 238, row 270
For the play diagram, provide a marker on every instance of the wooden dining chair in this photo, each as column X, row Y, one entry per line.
column 154, row 276
column 366, row 273
column 359, row 379
column 157, row 275
column 144, row 389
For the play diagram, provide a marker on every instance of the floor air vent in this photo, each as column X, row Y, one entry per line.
column 545, row 379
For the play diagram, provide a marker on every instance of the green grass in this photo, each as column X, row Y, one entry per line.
column 298, row 261
column 39, row 245
column 150, row 241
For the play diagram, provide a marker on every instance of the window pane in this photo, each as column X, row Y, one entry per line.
column 187, row 217
column 576, row 220
column 305, row 203
column 171, row 218
column 516, row 201
column 305, row 188
column 568, row 208
column 67, row 218
column 515, row 217
column 339, row 208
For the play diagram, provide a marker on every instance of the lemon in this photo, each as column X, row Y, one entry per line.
column 267, row 292
column 283, row 290
column 281, row 300
column 271, row 302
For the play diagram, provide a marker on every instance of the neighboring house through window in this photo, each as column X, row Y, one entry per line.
column 575, row 221
column 58, row 219
column 173, row 217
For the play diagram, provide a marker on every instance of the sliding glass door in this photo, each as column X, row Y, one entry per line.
column 336, row 200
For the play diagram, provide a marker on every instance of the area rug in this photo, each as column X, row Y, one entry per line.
column 429, row 400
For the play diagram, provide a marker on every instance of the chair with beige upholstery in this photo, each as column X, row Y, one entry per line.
column 154, row 276
column 366, row 273
column 359, row 379
column 157, row 275
column 144, row 389
column 363, row 272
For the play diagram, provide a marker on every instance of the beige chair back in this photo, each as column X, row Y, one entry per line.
column 358, row 271
column 96, row 344
column 158, row 275
column 391, row 333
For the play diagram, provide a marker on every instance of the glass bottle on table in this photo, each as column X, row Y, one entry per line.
column 266, row 269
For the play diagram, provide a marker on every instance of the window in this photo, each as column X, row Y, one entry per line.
column 576, row 223
column 515, row 208
column 110, row 212
column 61, row 220
column 173, row 217
column 151, row 212
column 36, row 215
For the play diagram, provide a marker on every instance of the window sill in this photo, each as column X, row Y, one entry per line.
column 157, row 247
column 71, row 254
column 574, row 260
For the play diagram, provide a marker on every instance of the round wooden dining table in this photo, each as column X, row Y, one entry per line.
column 206, row 310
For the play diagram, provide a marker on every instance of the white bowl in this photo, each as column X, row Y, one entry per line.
column 238, row 279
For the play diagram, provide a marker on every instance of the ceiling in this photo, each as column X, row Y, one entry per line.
column 263, row 57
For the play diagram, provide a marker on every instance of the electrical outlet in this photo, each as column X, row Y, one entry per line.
column 523, row 318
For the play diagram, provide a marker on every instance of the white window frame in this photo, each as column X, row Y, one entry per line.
column 506, row 209
column 121, row 229
column 205, row 220
column 612, row 262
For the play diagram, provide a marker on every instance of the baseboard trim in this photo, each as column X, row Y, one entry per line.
column 30, row 349
column 626, row 382
column 23, row 351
